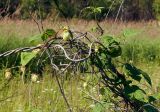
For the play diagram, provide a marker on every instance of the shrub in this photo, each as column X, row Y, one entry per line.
column 156, row 8
column 41, row 8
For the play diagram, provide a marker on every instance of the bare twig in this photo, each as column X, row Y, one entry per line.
column 63, row 94
column 35, row 22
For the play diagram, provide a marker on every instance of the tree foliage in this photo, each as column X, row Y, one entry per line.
column 130, row 10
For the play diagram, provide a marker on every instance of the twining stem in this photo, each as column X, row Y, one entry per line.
column 63, row 94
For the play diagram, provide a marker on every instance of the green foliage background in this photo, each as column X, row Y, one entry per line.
column 143, row 9
column 156, row 8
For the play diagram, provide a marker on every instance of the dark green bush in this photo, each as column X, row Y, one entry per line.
column 41, row 9
column 156, row 8
column 8, row 7
column 130, row 10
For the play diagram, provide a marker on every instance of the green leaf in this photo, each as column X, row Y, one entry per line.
column 154, row 97
column 107, row 39
column 134, row 92
column 36, row 39
column 114, row 50
column 136, row 73
column 98, row 10
column 146, row 77
column 139, row 95
column 128, row 90
column 151, row 99
column 48, row 33
column 132, row 71
column 26, row 57
column 150, row 108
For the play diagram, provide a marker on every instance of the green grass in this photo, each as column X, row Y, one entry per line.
column 141, row 50
column 42, row 96
column 45, row 95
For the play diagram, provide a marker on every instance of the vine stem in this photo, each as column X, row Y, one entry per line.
column 59, row 85
column 63, row 94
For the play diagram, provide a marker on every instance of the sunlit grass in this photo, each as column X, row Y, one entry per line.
column 142, row 50
column 41, row 96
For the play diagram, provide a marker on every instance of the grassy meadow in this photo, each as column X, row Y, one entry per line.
column 141, row 48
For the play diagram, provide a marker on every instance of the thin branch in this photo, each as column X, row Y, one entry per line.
column 63, row 94
column 35, row 22
column 119, row 10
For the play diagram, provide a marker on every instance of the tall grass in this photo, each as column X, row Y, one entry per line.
column 8, row 42
column 42, row 96
column 141, row 50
